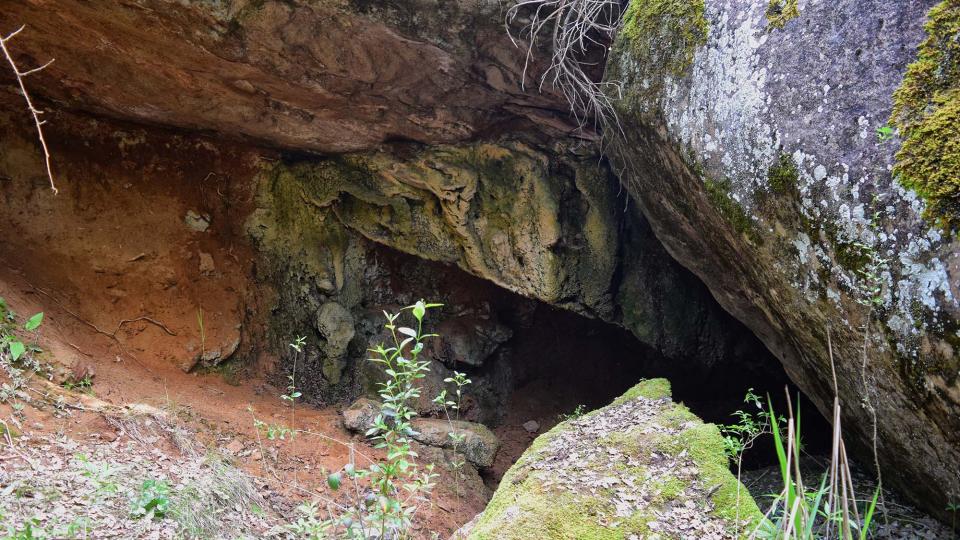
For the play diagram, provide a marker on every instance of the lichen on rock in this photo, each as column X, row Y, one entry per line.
column 761, row 169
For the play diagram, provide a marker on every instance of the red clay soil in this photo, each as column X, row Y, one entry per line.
column 117, row 272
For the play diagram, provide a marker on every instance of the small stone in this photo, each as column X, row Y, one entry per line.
column 360, row 415
column 532, row 426
column 326, row 285
column 244, row 86
column 196, row 221
column 234, row 447
column 206, row 264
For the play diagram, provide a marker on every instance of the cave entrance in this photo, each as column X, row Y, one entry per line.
column 533, row 363
column 561, row 361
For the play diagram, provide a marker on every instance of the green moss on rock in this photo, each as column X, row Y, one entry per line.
column 780, row 12
column 650, row 389
column 926, row 112
column 664, row 34
column 719, row 194
column 782, row 176
column 533, row 501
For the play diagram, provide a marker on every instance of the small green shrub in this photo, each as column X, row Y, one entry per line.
column 577, row 412
column 152, row 500
column 385, row 495
column 18, row 359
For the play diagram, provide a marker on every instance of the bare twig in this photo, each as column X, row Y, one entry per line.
column 576, row 28
column 33, row 110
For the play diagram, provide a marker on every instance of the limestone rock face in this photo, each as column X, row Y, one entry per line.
column 643, row 466
column 332, row 76
column 335, row 324
column 543, row 222
column 752, row 144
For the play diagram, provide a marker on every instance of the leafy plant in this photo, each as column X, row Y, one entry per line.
column 741, row 435
column 953, row 508
column 84, row 385
column 292, row 392
column 459, row 380
column 152, row 500
column 884, row 133
column 17, row 359
column 100, row 475
column 309, row 525
column 577, row 412
column 397, row 484
column 273, row 431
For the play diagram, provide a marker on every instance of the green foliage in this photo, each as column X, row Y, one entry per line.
column 18, row 359
column 309, row 526
column 459, row 380
column 577, row 412
column 100, row 475
column 885, row 133
column 152, row 500
column 273, row 431
column 750, row 426
column 780, row 12
column 926, row 112
column 84, row 384
column 389, row 512
column 397, row 485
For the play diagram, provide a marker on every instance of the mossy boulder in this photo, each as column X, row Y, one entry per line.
column 640, row 466
column 768, row 167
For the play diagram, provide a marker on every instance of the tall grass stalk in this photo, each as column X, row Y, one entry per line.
column 805, row 512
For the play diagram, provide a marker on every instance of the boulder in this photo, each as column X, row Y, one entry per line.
column 642, row 467
column 479, row 446
column 468, row 341
column 756, row 142
column 361, row 414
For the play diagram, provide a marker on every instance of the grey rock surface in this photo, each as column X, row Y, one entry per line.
column 760, row 169
column 479, row 444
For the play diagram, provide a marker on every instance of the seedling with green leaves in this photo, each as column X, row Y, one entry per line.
column 459, row 380
column 18, row 359
column 397, row 484
column 884, row 133
column 152, row 500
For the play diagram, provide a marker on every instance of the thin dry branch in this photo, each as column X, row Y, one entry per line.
column 20, row 75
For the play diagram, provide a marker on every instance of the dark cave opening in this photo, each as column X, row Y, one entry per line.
column 535, row 362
